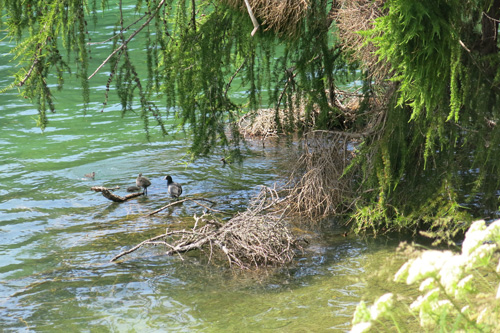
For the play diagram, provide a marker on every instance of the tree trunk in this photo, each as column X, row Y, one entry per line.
column 489, row 29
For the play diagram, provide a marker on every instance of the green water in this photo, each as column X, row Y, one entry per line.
column 57, row 236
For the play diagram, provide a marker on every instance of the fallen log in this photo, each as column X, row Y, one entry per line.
column 108, row 194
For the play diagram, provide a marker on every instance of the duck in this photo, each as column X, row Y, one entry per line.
column 143, row 182
column 174, row 189
column 90, row 175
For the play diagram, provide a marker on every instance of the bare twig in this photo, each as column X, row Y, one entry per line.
column 184, row 200
column 166, row 206
column 463, row 45
column 124, row 44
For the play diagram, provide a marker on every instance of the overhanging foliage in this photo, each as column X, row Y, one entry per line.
column 435, row 152
column 195, row 51
column 439, row 150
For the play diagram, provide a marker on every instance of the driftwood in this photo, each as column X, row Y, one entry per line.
column 252, row 238
column 107, row 193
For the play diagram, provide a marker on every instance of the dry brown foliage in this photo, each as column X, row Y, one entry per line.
column 317, row 186
column 262, row 124
column 353, row 16
column 282, row 16
column 259, row 123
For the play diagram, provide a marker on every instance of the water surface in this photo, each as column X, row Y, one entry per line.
column 57, row 236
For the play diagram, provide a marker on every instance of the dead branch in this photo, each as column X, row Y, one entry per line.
column 248, row 239
column 184, row 200
column 252, row 17
column 282, row 16
column 107, row 193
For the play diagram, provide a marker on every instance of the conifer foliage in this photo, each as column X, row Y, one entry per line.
column 439, row 151
column 194, row 50
column 436, row 152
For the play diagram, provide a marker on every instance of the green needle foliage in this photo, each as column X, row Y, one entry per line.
column 195, row 53
column 433, row 160
column 440, row 148
column 41, row 29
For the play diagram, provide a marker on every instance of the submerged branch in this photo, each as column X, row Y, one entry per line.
column 106, row 192
column 136, row 247
column 184, row 200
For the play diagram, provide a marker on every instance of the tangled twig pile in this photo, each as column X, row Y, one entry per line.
column 252, row 238
column 261, row 123
column 256, row 240
column 353, row 16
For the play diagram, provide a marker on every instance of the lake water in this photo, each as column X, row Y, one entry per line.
column 57, row 237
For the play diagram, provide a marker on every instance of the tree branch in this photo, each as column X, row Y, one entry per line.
column 184, row 200
column 124, row 45
column 252, row 17
column 106, row 192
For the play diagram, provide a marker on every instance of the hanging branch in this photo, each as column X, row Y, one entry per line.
column 290, row 81
column 252, row 17
column 124, row 45
column 28, row 74
column 193, row 14
column 36, row 56
column 228, row 85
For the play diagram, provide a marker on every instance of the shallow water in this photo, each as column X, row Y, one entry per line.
column 57, row 236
